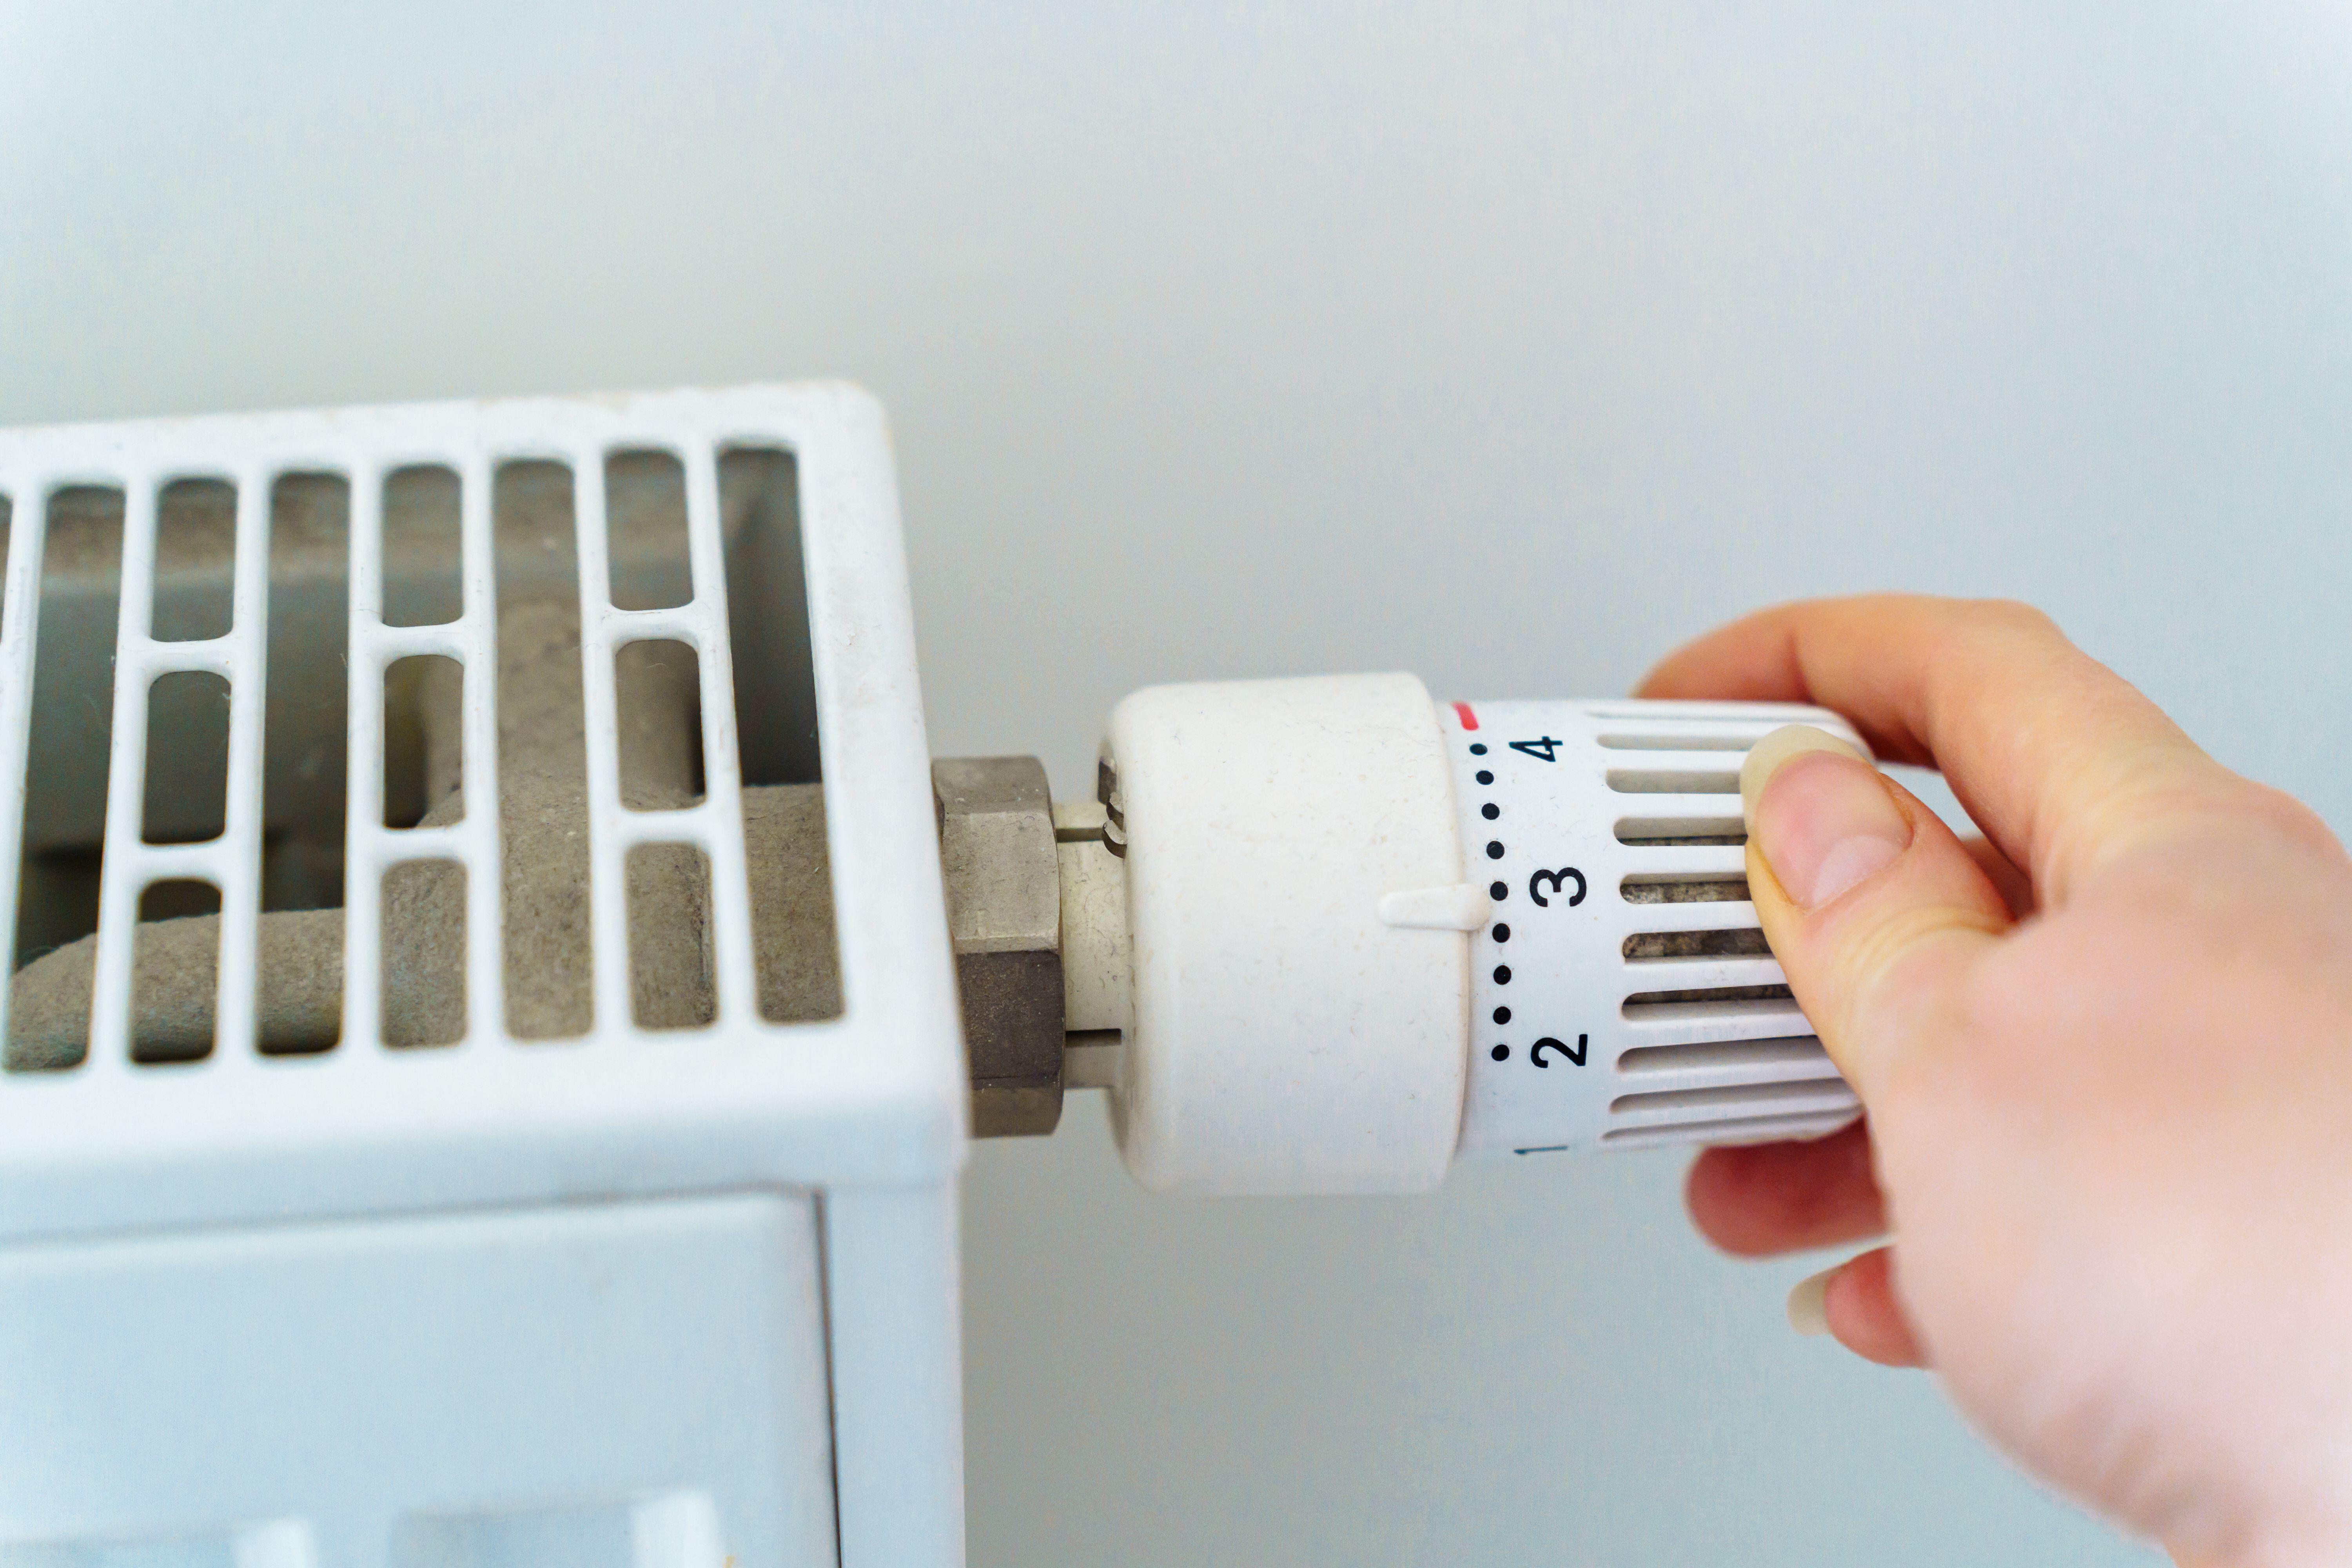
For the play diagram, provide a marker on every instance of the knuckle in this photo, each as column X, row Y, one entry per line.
column 2121, row 821
column 2290, row 819
column 2008, row 617
column 1969, row 632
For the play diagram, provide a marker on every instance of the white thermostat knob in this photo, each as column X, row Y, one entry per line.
column 1371, row 932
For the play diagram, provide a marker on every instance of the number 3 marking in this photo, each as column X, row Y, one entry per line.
column 1555, row 880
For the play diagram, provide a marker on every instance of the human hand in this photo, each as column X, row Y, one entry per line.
column 2105, row 1059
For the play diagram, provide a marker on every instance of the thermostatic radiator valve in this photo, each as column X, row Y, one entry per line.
column 1327, row 936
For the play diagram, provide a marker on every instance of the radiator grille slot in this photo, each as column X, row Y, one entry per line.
column 1671, row 781
column 305, row 729
column 1705, row 1003
column 1730, row 888
column 422, row 547
column 75, row 571
column 196, row 544
column 651, row 570
column 1728, row 1056
column 1729, row 1130
column 1707, row 743
column 171, row 980
column 1674, row 831
column 1821, row 1094
column 1666, row 946
column 187, row 758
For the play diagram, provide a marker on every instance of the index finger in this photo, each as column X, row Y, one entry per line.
column 2061, row 761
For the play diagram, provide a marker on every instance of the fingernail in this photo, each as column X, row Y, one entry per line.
column 1809, row 1304
column 1818, row 811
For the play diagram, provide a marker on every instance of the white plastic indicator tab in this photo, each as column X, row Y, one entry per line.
column 1371, row 932
column 1622, row 991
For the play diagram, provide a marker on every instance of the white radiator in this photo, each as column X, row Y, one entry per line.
column 599, row 1293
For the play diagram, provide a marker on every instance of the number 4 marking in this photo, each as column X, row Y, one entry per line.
column 1544, row 750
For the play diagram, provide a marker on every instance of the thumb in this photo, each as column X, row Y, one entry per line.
column 1874, row 908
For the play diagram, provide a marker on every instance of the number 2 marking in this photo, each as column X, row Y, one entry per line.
column 1548, row 1044
column 1555, row 880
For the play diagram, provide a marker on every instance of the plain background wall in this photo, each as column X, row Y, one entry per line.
column 1507, row 344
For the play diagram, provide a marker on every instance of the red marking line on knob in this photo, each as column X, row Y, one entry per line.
column 1462, row 711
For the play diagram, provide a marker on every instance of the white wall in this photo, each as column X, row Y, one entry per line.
column 1509, row 345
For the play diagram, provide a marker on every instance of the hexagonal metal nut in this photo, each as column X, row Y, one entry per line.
column 1003, row 889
